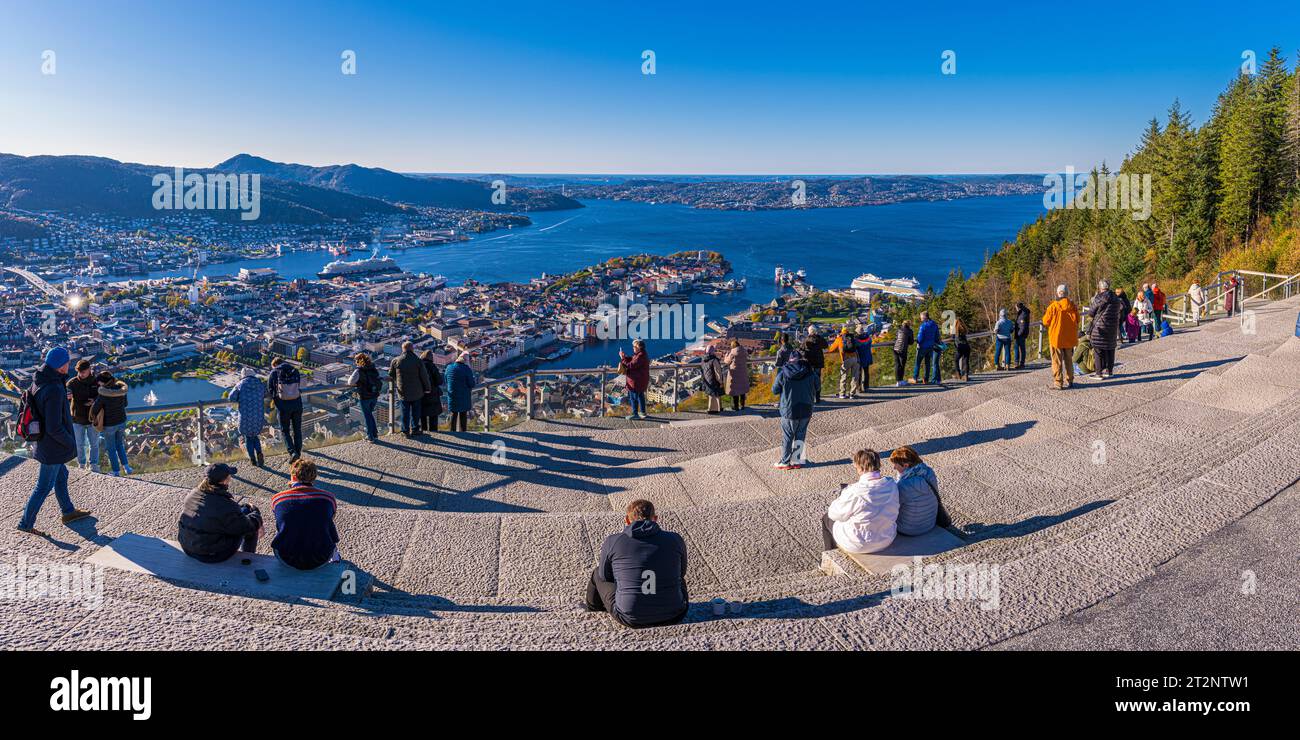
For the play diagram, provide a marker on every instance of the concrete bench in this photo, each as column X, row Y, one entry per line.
column 164, row 560
column 900, row 552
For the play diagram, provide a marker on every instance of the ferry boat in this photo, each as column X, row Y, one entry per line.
column 373, row 265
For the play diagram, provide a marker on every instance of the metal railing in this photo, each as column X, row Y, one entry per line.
column 595, row 391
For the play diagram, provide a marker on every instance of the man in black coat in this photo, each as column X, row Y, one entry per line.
column 1021, row 333
column 213, row 526
column 82, row 390
column 284, row 386
column 56, row 447
column 903, row 338
column 641, row 577
column 1106, row 312
column 814, row 352
column 411, row 379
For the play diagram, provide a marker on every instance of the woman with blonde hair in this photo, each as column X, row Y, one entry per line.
column 864, row 517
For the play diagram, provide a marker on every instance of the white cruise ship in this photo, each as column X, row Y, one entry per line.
column 372, row 265
column 868, row 286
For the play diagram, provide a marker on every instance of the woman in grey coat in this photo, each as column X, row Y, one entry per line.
column 918, row 493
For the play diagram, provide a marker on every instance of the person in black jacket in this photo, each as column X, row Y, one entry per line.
column 814, row 353
column 109, row 413
column 903, row 337
column 411, row 379
column 1104, row 334
column 56, row 447
column 284, row 386
column 431, row 405
column 82, row 390
column 369, row 387
column 213, row 527
column 641, row 577
column 1021, row 333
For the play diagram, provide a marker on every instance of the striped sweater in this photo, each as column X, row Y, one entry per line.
column 304, row 521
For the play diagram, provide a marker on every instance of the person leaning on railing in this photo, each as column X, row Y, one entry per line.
column 369, row 385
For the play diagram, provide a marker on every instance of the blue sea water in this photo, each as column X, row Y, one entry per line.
column 925, row 240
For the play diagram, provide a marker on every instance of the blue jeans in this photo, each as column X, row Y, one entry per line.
column 411, row 411
column 929, row 358
column 1020, row 350
column 253, row 444
column 368, row 412
column 636, row 399
column 1002, row 346
column 51, row 477
column 87, row 445
column 113, row 440
column 793, row 432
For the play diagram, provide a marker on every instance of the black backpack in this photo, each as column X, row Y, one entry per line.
column 31, row 425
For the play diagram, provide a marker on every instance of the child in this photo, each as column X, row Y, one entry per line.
column 1131, row 326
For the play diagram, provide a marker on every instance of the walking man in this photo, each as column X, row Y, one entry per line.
column 56, row 447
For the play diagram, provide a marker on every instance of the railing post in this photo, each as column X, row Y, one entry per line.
column 604, row 375
column 532, row 385
column 392, row 408
column 487, row 408
column 1040, row 341
column 200, row 452
column 675, row 369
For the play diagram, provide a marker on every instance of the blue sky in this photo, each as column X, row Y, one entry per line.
column 753, row 87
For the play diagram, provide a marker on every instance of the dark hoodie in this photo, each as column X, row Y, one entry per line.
column 796, row 384
column 625, row 560
column 83, row 392
column 212, row 525
column 111, row 399
column 57, row 446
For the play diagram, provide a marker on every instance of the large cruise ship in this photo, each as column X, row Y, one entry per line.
column 868, row 286
column 373, row 265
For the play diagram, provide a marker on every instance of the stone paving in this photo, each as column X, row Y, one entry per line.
column 1076, row 496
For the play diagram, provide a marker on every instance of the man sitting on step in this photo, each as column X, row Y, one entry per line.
column 641, row 577
column 304, row 520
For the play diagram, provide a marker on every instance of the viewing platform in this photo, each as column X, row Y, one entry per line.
column 485, row 540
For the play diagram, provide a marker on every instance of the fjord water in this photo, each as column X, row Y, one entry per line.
column 924, row 240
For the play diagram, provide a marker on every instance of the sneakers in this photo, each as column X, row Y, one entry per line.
column 784, row 466
column 33, row 530
column 127, row 469
column 74, row 515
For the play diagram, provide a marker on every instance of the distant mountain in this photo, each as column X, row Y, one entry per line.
column 394, row 187
column 97, row 185
column 815, row 192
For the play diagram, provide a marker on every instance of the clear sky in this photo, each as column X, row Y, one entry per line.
column 789, row 87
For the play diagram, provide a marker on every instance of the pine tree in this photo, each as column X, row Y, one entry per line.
column 1291, row 132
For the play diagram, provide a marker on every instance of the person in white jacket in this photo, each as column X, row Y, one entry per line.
column 865, row 516
column 1196, row 294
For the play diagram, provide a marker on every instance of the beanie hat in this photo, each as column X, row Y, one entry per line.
column 57, row 357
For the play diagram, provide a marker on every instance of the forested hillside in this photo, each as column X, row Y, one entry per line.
column 1224, row 195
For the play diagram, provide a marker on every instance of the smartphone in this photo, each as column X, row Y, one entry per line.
column 261, row 575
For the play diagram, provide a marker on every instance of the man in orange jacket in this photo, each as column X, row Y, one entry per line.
column 1062, row 322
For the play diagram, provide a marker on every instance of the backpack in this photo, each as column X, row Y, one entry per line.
column 30, row 423
column 286, row 391
column 372, row 383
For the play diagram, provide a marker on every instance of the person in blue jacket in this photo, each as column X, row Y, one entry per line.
column 796, row 385
column 864, row 355
column 927, row 350
column 250, row 394
column 57, row 446
column 460, row 389
column 1002, row 331
column 641, row 577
